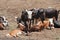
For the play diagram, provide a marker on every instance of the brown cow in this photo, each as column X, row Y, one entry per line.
column 14, row 33
column 37, row 27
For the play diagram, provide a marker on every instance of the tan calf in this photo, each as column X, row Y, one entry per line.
column 14, row 33
column 37, row 27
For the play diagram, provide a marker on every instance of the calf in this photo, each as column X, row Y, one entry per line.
column 17, row 32
column 14, row 33
column 37, row 27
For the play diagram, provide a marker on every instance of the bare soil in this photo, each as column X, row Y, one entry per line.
column 12, row 8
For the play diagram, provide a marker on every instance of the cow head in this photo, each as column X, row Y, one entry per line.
column 24, row 15
column 29, row 14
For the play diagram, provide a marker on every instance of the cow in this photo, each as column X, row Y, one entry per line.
column 5, row 22
column 17, row 32
column 52, row 14
column 37, row 27
column 14, row 33
column 37, row 14
column 24, row 18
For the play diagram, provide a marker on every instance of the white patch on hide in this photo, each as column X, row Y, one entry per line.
column 29, row 14
column 51, row 20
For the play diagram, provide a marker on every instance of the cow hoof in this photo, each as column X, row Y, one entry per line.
column 52, row 27
column 28, row 34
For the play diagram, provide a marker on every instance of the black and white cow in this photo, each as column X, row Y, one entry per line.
column 4, row 21
column 26, row 18
column 52, row 14
column 38, row 14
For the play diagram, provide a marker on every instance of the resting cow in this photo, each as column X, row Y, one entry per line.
column 14, row 33
column 48, row 23
column 50, row 13
column 37, row 27
column 4, row 21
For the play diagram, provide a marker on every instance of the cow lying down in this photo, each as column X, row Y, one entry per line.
column 16, row 32
column 37, row 27
column 46, row 24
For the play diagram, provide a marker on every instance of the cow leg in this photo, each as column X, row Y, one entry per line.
column 26, row 26
column 56, row 16
column 51, row 23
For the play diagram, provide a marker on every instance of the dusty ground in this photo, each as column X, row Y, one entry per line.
column 12, row 8
column 43, row 35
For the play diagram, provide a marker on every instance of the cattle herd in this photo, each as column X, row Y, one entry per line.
column 33, row 20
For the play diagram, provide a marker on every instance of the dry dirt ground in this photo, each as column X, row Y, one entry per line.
column 12, row 8
column 53, row 34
